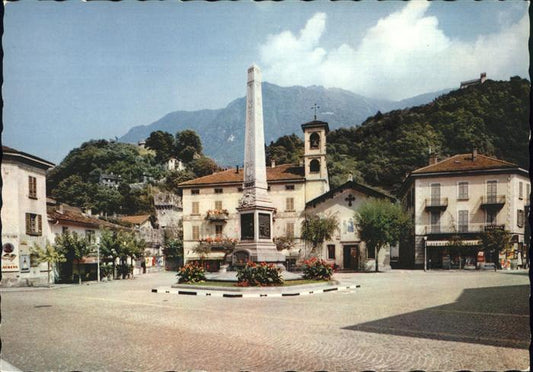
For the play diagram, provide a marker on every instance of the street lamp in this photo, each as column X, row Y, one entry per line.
column 98, row 263
column 425, row 253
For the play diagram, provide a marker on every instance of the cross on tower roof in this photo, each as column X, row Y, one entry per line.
column 315, row 107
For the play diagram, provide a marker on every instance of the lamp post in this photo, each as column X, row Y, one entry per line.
column 98, row 263
column 425, row 253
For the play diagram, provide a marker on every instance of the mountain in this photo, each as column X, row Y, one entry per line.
column 284, row 110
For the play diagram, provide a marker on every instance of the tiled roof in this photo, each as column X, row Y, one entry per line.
column 135, row 220
column 465, row 162
column 280, row 173
column 70, row 217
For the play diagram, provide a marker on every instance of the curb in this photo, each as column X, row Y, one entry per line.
column 217, row 293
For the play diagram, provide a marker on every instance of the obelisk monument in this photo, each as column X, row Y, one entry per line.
column 255, row 207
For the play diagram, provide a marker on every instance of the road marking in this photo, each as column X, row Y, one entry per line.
column 480, row 313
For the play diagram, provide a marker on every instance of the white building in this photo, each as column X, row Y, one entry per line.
column 463, row 196
column 24, row 221
column 210, row 203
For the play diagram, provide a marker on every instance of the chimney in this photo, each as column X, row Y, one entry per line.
column 273, row 164
column 474, row 153
column 350, row 177
column 237, row 169
column 433, row 159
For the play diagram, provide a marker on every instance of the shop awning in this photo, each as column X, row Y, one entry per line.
column 445, row 243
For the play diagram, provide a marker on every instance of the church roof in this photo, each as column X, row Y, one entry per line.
column 370, row 191
column 280, row 173
column 465, row 162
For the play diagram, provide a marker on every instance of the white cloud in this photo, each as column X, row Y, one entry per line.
column 402, row 55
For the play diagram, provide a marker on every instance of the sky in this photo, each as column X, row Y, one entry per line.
column 75, row 71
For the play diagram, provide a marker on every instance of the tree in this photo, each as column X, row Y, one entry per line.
column 73, row 247
column 495, row 241
column 49, row 255
column 203, row 166
column 380, row 222
column 188, row 143
column 316, row 229
column 162, row 143
column 110, row 247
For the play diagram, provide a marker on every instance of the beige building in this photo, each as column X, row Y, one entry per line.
column 210, row 203
column 463, row 196
column 24, row 221
column 346, row 250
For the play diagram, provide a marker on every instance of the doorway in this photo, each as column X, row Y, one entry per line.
column 351, row 257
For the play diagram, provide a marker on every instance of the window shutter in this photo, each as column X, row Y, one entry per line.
column 39, row 224
column 28, row 224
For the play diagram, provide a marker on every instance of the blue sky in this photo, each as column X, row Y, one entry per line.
column 75, row 71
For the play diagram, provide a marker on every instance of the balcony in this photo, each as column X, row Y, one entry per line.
column 436, row 204
column 493, row 202
column 217, row 215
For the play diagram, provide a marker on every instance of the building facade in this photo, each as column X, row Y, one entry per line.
column 453, row 201
column 24, row 219
column 345, row 249
column 210, row 203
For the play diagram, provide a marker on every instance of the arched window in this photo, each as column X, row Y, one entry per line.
column 314, row 140
column 314, row 166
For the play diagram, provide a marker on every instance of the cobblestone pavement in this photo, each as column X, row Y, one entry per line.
column 401, row 320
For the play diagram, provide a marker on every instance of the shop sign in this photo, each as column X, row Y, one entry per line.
column 9, row 258
column 148, row 261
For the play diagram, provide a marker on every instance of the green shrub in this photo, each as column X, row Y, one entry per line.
column 191, row 273
column 262, row 274
column 124, row 270
column 317, row 269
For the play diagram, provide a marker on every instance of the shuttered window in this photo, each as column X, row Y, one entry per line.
column 289, row 204
column 32, row 187
column 195, row 232
column 34, row 224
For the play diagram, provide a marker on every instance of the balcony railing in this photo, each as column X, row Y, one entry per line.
column 436, row 203
column 492, row 201
column 217, row 215
column 461, row 229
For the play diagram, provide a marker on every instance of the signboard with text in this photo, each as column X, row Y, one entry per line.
column 10, row 260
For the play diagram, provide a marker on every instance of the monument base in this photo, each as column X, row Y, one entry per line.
column 259, row 252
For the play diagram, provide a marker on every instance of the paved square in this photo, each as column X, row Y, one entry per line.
column 401, row 320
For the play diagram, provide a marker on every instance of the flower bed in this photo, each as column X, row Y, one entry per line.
column 191, row 273
column 263, row 274
column 318, row 269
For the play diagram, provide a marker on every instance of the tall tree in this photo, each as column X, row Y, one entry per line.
column 381, row 223
column 74, row 248
column 49, row 255
column 316, row 229
column 188, row 143
column 162, row 143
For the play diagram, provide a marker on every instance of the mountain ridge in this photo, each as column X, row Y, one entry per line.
column 284, row 110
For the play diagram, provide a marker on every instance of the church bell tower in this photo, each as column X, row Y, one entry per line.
column 316, row 170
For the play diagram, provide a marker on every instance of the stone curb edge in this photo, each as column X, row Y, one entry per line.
column 253, row 295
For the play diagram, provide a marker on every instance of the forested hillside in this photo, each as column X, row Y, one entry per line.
column 141, row 172
column 494, row 117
